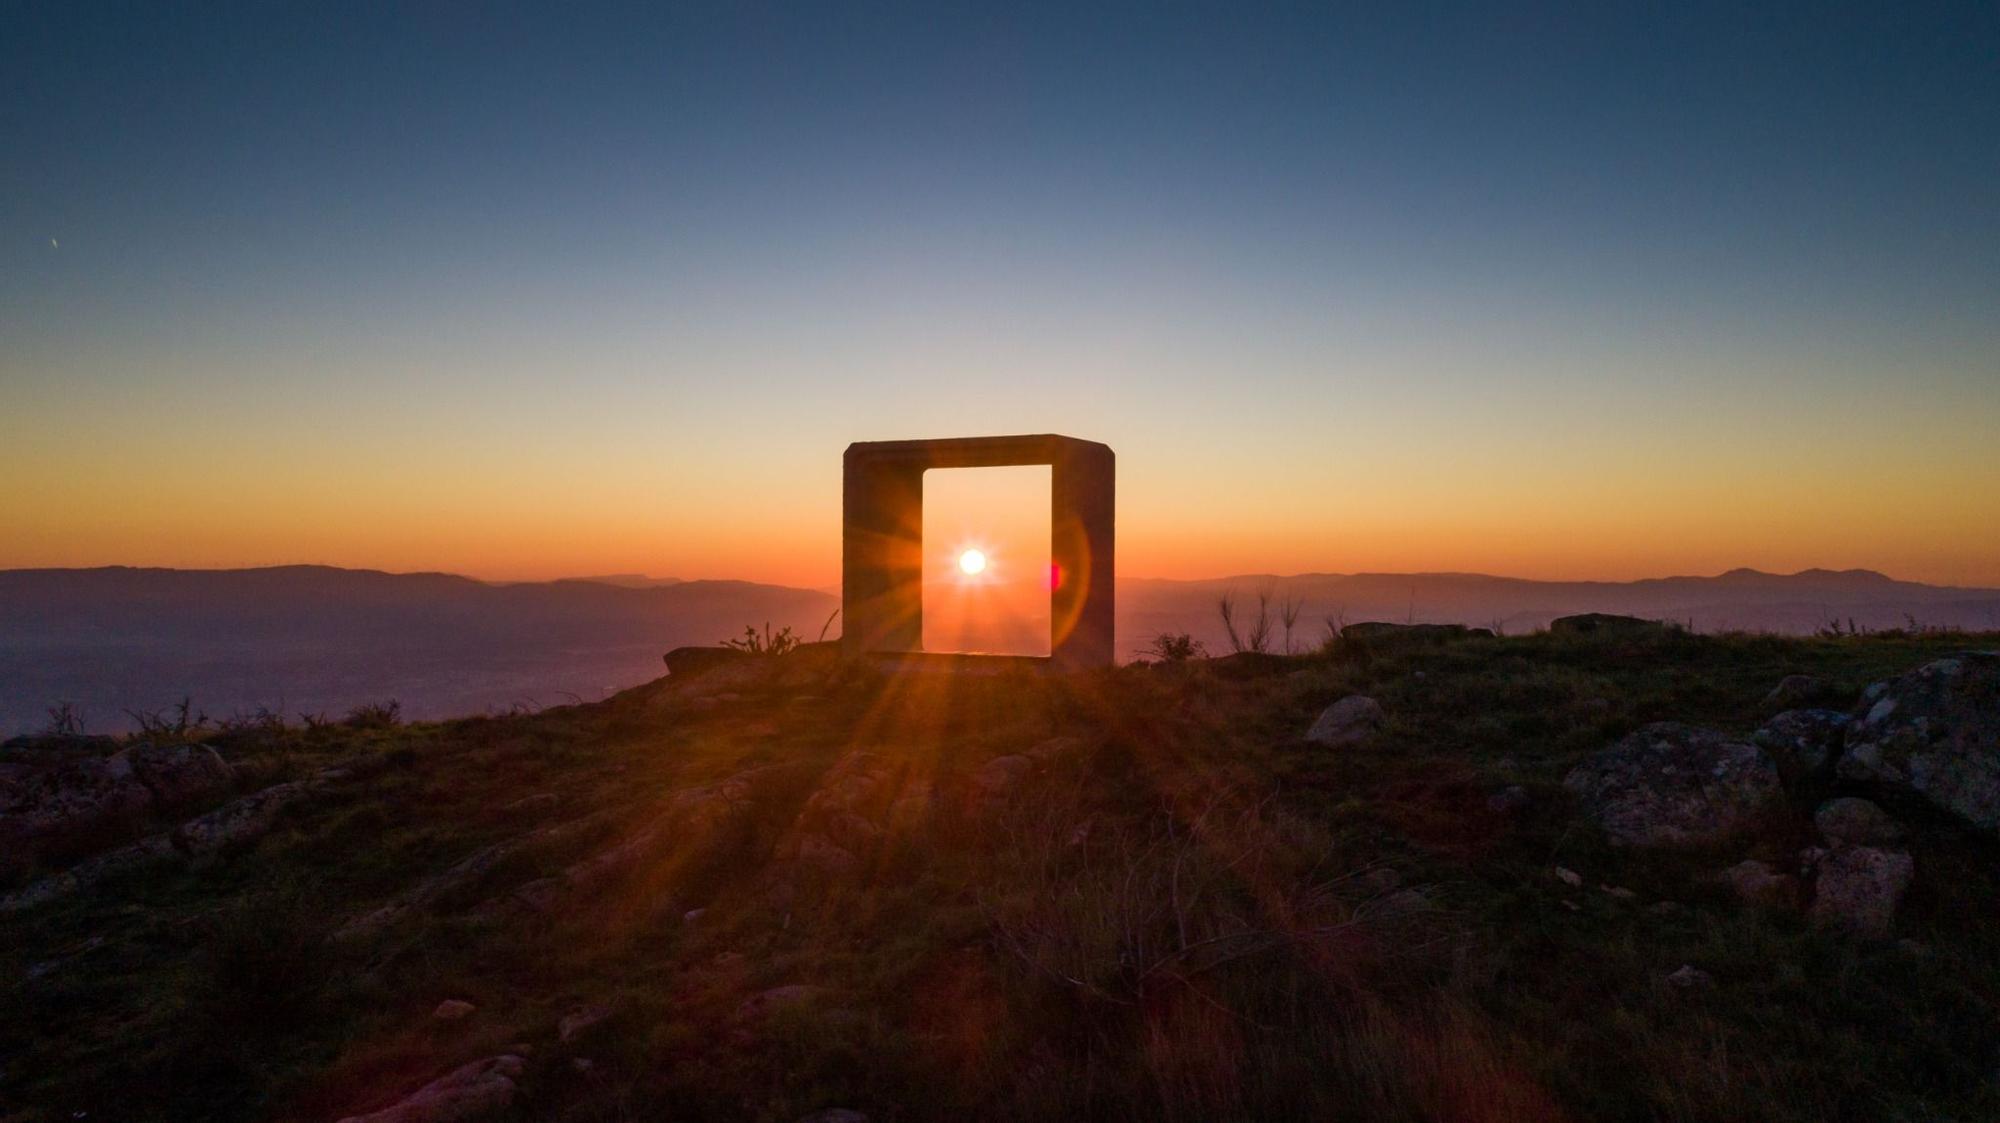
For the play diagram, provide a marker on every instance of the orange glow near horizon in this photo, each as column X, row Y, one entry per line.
column 569, row 494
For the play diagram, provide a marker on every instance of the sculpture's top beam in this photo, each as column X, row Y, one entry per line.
column 977, row 452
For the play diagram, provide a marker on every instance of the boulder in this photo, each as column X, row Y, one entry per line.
column 180, row 775
column 1670, row 784
column 469, row 1092
column 1603, row 623
column 1855, row 822
column 1350, row 721
column 684, row 663
column 1793, row 692
column 1858, row 888
column 1804, row 743
column 1759, row 883
column 237, row 822
column 1936, row 732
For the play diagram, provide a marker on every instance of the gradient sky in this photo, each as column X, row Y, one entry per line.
column 1555, row 293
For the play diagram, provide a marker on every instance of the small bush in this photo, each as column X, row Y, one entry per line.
column 1174, row 647
column 767, row 644
column 376, row 715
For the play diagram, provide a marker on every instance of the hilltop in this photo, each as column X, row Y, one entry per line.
column 1399, row 878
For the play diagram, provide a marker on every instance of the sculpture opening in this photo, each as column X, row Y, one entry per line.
column 986, row 560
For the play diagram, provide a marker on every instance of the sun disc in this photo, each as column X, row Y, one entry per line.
column 971, row 562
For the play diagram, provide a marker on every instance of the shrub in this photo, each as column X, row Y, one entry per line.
column 768, row 643
column 1174, row 647
column 376, row 715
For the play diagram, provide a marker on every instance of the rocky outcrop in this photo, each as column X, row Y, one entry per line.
column 70, row 800
column 468, row 1092
column 179, row 775
column 197, row 840
column 1375, row 632
column 1669, row 784
column 71, row 804
column 1804, row 743
column 684, row 663
column 1936, row 732
column 237, row 823
column 1350, row 721
column 1603, row 623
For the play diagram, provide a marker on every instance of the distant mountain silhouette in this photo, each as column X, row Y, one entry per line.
column 320, row 639
column 1739, row 600
column 628, row 580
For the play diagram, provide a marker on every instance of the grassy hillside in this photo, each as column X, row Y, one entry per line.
column 796, row 884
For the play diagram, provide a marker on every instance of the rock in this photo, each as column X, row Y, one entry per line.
column 833, row 1115
column 469, row 1092
column 1509, row 800
column 580, row 1019
column 1670, row 784
column 1804, row 743
column 180, row 775
column 237, row 822
column 1792, row 692
column 1619, row 892
column 1855, row 822
column 689, row 662
column 1858, row 889
column 1690, row 977
column 1759, row 883
column 1350, row 721
column 1568, row 877
column 693, row 916
column 452, row 1010
column 73, row 804
column 1596, row 623
column 61, row 743
column 1935, row 732
column 1374, row 631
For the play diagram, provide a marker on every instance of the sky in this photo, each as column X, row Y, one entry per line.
column 1600, row 291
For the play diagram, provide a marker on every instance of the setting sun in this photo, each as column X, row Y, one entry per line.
column 971, row 562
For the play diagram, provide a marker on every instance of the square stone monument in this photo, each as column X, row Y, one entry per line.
column 882, row 557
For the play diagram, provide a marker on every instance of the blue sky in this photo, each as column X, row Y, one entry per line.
column 1361, row 289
